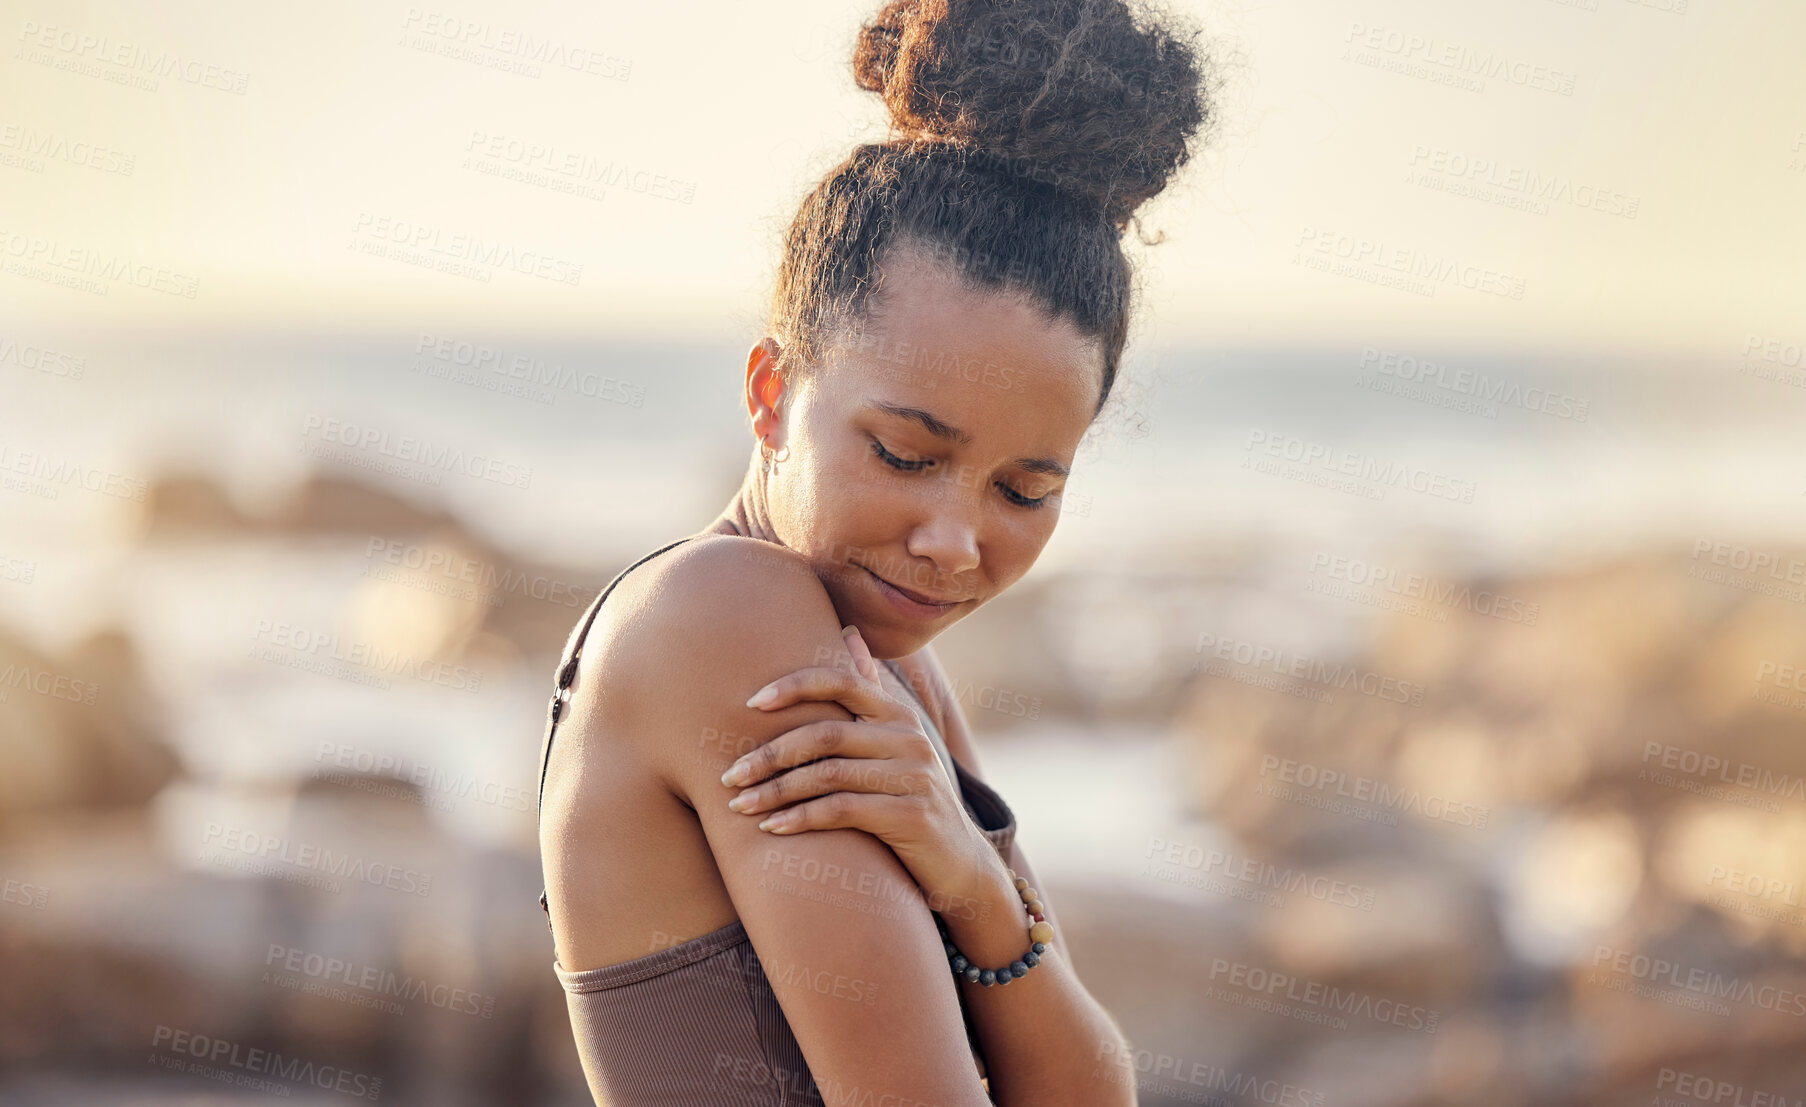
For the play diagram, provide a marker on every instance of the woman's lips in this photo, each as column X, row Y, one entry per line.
column 912, row 603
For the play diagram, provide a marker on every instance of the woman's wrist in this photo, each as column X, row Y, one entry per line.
column 988, row 923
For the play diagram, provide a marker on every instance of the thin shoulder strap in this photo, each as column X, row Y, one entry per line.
column 567, row 666
column 567, row 672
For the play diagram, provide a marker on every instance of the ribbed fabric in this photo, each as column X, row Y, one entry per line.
column 698, row 1024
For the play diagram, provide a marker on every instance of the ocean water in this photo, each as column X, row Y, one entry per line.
column 1494, row 461
column 1268, row 461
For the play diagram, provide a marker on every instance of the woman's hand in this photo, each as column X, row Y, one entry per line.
column 877, row 771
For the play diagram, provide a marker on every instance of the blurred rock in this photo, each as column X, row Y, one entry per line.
column 78, row 731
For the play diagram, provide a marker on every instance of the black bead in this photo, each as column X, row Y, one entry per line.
column 1031, row 959
column 960, row 963
column 972, row 973
column 1018, row 968
column 1004, row 976
column 988, row 977
column 1040, row 947
column 952, row 950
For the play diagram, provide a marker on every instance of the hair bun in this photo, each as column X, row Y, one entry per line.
column 1080, row 93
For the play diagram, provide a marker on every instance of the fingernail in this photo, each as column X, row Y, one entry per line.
column 734, row 774
column 763, row 696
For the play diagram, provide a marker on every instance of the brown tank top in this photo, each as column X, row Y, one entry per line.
column 653, row 1030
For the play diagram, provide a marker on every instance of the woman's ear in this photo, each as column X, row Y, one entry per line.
column 764, row 383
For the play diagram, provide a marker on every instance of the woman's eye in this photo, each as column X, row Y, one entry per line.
column 1016, row 497
column 918, row 464
column 896, row 462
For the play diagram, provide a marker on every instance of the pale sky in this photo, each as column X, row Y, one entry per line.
column 340, row 128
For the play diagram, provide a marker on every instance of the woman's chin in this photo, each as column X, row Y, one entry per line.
column 888, row 643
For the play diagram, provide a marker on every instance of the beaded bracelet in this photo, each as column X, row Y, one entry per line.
column 1039, row 934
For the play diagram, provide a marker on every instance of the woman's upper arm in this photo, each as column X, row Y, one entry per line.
column 847, row 942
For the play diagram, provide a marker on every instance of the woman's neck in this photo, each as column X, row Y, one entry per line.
column 746, row 513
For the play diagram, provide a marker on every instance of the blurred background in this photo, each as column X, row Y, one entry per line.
column 1408, row 709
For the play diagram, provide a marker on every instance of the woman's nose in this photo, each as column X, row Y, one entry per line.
column 950, row 541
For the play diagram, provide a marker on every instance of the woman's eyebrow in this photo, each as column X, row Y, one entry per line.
column 940, row 428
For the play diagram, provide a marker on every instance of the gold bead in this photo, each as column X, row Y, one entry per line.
column 1041, row 932
column 1034, row 907
column 1028, row 894
column 1019, row 882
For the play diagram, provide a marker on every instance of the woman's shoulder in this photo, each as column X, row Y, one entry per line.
column 710, row 577
column 696, row 623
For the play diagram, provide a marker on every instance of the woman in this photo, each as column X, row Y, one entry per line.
column 949, row 315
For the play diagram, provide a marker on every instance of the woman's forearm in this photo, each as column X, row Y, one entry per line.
column 1046, row 1041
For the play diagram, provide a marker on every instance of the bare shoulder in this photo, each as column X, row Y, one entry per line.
column 698, row 630
column 708, row 578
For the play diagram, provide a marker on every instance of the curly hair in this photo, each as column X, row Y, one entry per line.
column 1025, row 135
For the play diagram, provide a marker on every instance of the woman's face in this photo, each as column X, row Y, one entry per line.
column 929, row 455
